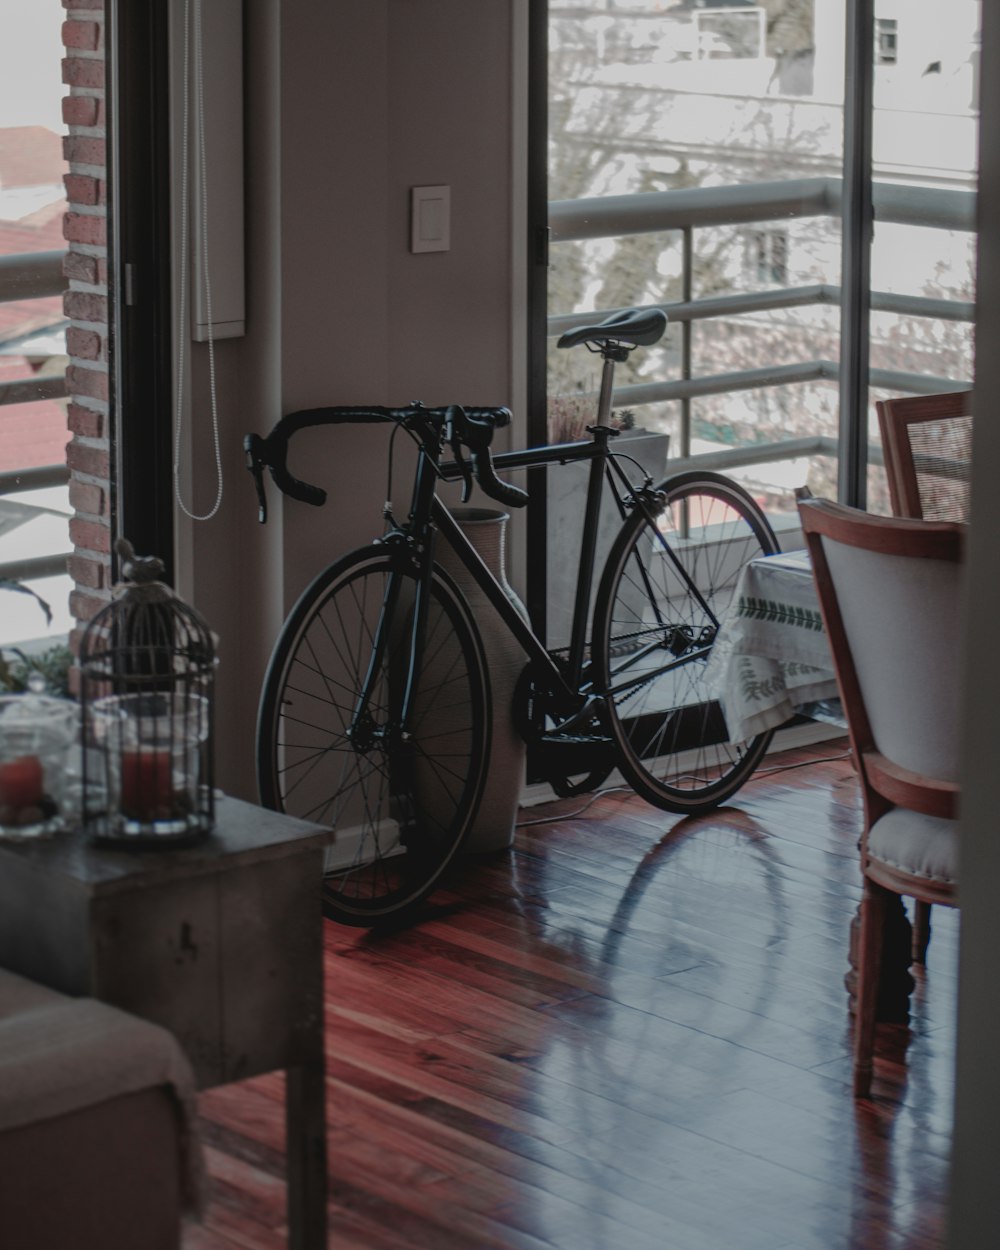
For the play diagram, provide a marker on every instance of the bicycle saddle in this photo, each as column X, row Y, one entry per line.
column 639, row 326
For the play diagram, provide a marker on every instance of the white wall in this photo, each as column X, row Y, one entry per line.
column 348, row 105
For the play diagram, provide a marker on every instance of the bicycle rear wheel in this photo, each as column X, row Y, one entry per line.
column 667, row 583
column 399, row 803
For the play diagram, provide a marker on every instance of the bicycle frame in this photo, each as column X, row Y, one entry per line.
column 565, row 685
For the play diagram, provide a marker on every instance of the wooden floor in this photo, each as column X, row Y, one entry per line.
column 631, row 1033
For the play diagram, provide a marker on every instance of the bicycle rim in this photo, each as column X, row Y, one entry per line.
column 654, row 625
column 399, row 805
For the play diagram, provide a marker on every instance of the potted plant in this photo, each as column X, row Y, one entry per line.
column 569, row 416
column 52, row 663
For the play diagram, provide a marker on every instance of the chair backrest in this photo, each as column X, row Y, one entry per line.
column 927, row 446
column 890, row 592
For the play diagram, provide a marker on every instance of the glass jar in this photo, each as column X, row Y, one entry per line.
column 36, row 733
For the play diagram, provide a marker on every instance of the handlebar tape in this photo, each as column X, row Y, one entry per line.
column 490, row 484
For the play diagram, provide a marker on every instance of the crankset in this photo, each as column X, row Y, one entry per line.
column 573, row 754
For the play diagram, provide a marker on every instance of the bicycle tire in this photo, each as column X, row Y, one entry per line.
column 399, row 811
column 673, row 745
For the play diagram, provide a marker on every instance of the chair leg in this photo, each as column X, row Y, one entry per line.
column 873, row 905
column 921, row 930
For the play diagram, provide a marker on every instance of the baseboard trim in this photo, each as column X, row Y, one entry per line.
column 804, row 734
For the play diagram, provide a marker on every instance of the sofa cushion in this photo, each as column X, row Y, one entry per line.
column 60, row 1054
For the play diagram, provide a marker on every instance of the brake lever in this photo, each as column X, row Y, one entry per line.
column 250, row 445
column 464, row 466
column 466, row 478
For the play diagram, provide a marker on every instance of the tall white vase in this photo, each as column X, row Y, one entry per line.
column 486, row 530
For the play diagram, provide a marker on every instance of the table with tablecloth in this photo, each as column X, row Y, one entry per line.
column 771, row 657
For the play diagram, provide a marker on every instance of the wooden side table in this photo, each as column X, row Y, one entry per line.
column 220, row 943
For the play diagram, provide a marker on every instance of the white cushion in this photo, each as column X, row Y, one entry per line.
column 923, row 846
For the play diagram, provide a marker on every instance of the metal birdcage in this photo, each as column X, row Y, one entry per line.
column 147, row 678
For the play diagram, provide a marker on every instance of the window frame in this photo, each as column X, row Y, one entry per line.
column 139, row 276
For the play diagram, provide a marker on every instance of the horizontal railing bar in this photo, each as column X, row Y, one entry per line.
column 922, row 306
column 31, row 275
column 15, row 481
column 914, row 383
column 27, row 390
column 717, row 306
column 609, row 216
column 755, row 453
column 783, row 297
column 722, row 383
column 941, row 208
column 647, row 212
column 766, row 453
column 778, row 375
column 36, row 567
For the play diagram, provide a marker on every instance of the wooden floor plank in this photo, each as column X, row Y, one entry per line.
column 630, row 1031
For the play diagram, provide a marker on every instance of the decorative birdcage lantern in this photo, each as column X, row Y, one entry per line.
column 147, row 676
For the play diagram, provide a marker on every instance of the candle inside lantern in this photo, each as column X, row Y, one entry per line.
column 21, row 782
column 147, row 789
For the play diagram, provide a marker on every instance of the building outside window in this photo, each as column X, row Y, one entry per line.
column 767, row 257
column 34, row 495
column 885, row 40
column 719, row 128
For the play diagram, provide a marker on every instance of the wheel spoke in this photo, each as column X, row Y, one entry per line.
column 331, row 748
column 669, row 583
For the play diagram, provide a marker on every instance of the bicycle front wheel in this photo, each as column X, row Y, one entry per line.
column 331, row 747
column 668, row 581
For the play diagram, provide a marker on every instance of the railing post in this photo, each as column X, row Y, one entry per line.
column 857, row 214
column 687, row 294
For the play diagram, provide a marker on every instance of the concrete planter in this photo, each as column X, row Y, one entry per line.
column 567, row 497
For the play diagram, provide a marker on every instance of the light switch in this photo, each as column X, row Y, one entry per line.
column 430, row 219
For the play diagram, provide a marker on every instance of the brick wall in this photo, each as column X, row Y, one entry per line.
column 86, row 305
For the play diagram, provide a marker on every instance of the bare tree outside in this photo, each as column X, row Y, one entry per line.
column 671, row 94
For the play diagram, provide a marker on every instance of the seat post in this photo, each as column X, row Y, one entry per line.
column 612, row 353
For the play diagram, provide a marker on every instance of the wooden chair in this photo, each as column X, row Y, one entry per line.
column 889, row 589
column 927, row 446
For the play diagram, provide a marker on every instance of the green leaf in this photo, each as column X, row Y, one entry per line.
column 7, row 584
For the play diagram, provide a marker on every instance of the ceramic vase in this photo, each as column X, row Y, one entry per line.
column 486, row 530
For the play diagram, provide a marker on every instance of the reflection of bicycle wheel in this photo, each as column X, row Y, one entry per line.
column 399, row 804
column 667, row 584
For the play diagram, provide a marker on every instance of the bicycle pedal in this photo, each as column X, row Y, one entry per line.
column 574, row 752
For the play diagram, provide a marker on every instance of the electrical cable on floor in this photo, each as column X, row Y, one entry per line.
column 598, row 794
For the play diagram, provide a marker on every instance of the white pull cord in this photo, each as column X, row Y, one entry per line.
column 182, row 326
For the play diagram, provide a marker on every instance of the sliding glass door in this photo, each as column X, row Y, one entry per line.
column 707, row 160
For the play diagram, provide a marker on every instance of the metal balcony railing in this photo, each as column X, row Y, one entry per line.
column 687, row 210
column 35, row 275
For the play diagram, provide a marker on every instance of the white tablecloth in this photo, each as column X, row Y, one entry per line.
column 771, row 656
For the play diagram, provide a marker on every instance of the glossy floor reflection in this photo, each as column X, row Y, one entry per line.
column 631, row 1031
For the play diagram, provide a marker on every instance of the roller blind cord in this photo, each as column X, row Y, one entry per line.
column 182, row 326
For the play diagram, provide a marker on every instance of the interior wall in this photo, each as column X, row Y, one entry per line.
column 975, row 1196
column 347, row 107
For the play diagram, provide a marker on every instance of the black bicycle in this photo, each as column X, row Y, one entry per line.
column 375, row 711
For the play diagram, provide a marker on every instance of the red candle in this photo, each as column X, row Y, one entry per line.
column 147, row 785
column 21, row 782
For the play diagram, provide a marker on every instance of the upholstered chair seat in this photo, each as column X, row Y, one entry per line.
column 891, row 594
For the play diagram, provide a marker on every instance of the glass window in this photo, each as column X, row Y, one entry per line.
column 885, row 40
column 924, row 166
column 654, row 99
column 718, row 104
column 34, row 537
